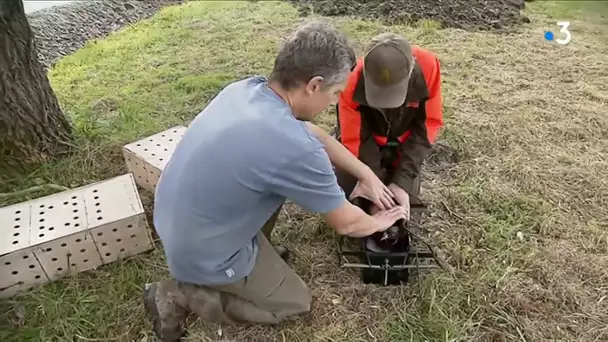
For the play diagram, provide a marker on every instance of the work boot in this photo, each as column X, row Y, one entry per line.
column 165, row 304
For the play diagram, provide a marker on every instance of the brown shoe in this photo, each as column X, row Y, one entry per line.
column 166, row 315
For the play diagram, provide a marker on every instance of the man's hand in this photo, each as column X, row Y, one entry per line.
column 385, row 219
column 402, row 198
column 372, row 188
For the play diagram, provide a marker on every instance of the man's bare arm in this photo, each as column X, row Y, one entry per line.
column 351, row 220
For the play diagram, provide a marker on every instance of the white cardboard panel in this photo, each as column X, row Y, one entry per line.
column 122, row 239
column 111, row 201
column 68, row 255
column 55, row 216
column 152, row 154
column 20, row 271
column 15, row 228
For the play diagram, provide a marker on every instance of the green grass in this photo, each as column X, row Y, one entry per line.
column 524, row 117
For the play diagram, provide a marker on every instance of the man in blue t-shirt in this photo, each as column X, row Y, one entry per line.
column 248, row 151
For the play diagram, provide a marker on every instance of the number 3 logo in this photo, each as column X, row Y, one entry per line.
column 564, row 30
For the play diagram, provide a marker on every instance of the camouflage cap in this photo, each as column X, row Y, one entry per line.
column 387, row 66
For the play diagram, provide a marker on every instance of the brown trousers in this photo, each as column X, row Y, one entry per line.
column 268, row 295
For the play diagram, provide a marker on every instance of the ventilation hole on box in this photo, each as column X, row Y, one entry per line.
column 77, row 225
column 42, row 213
column 85, row 260
column 37, row 277
column 42, row 206
column 7, row 263
column 136, row 245
column 54, row 259
column 26, row 256
column 17, row 226
column 161, row 159
column 138, row 145
column 75, row 210
column 51, row 228
column 50, row 207
column 104, row 244
column 64, row 244
column 130, row 226
column 83, row 250
column 73, row 197
column 99, row 234
column 41, row 227
column 15, row 242
column 145, row 149
column 16, row 234
column 122, row 249
column 32, row 266
column 74, row 204
column 14, row 272
column 49, row 249
column 17, row 219
column 98, row 211
column 133, row 236
column 78, row 240
column 67, row 224
column 41, row 235
column 97, row 204
column 76, row 217
column 59, row 269
column 115, row 229
column 96, row 197
column 100, row 218
column 18, row 212
column 108, row 254
column 65, row 203
column 166, row 150
column 41, row 220
column 158, row 145
column 153, row 154
column 73, row 265
column 170, row 139
column 94, row 190
column 118, row 240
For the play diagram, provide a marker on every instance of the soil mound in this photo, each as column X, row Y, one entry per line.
column 464, row 14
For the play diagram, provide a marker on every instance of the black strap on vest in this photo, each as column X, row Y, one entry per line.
column 389, row 152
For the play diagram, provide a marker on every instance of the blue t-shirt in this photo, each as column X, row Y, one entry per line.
column 241, row 157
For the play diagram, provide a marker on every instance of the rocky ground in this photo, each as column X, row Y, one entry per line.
column 464, row 14
column 61, row 30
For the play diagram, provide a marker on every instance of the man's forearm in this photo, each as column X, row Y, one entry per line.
column 339, row 155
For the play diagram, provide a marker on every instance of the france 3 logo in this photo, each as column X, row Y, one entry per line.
column 565, row 34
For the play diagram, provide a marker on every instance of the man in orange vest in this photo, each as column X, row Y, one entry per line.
column 390, row 113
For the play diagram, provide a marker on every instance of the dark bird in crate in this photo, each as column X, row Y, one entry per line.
column 389, row 249
column 385, row 258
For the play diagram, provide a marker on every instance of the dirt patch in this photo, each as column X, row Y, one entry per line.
column 464, row 14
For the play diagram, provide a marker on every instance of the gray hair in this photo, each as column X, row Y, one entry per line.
column 314, row 49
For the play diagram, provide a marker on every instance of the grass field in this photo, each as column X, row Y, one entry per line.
column 518, row 188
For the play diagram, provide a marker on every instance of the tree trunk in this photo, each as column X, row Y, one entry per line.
column 33, row 129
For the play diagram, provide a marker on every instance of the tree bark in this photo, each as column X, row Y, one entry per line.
column 33, row 129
